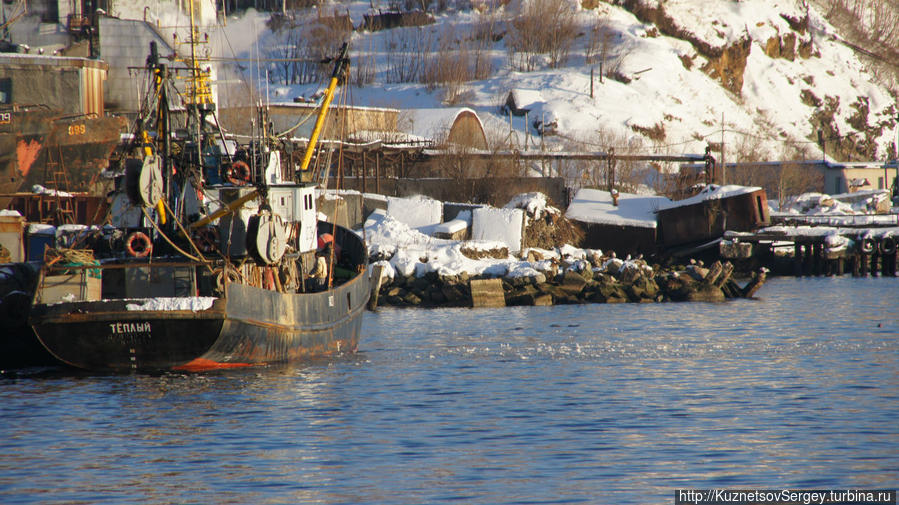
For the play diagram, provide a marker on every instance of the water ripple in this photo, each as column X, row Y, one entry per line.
column 569, row 404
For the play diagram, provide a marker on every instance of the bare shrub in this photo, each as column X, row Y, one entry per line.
column 599, row 41
column 780, row 180
column 543, row 27
column 655, row 132
column 624, row 175
column 447, row 65
column 872, row 25
column 455, row 62
column 407, row 49
column 363, row 67
column 485, row 34
column 301, row 46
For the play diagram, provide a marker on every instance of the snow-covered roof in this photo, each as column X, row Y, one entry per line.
column 595, row 206
column 433, row 122
column 711, row 192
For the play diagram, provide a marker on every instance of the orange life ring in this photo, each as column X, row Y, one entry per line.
column 238, row 173
column 207, row 239
column 138, row 244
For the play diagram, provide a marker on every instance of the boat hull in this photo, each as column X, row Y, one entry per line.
column 37, row 143
column 249, row 326
column 105, row 335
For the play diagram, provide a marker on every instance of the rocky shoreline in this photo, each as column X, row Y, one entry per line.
column 595, row 280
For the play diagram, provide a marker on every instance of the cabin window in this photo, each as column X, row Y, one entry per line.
column 6, row 91
column 838, row 184
column 880, row 183
column 758, row 202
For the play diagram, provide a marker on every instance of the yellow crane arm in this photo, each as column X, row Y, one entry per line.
column 319, row 122
column 339, row 69
column 228, row 209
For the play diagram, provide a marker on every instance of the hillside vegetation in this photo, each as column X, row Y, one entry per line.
column 753, row 80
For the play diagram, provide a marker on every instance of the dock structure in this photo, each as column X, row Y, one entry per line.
column 821, row 251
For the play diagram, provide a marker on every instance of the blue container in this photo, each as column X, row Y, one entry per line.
column 35, row 244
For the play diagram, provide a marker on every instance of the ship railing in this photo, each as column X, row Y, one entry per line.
column 99, row 281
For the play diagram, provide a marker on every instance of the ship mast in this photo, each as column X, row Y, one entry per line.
column 199, row 93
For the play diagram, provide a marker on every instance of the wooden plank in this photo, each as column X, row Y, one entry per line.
column 755, row 284
column 376, row 273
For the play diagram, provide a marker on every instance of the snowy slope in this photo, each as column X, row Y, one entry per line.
column 669, row 92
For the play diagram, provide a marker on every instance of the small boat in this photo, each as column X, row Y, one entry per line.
column 207, row 265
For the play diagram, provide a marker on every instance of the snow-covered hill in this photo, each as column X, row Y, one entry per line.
column 761, row 76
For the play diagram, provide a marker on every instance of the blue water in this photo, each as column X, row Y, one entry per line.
column 569, row 404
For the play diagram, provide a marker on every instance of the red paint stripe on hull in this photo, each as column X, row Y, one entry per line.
column 202, row 365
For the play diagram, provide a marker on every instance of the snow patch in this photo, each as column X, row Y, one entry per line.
column 503, row 225
column 191, row 303
column 416, row 211
column 596, row 206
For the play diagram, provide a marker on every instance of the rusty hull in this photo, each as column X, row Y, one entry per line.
column 709, row 219
column 37, row 143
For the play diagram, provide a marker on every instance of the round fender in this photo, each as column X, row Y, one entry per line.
column 239, row 173
column 888, row 245
column 138, row 245
column 868, row 245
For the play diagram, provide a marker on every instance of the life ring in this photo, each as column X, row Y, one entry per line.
column 868, row 245
column 138, row 244
column 207, row 239
column 888, row 245
column 239, row 173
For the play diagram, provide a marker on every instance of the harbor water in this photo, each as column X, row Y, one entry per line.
column 621, row 403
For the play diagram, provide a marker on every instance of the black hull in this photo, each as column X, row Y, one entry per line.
column 106, row 336
column 19, row 348
column 247, row 326
column 250, row 326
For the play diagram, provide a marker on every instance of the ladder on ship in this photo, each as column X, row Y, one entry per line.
column 63, row 212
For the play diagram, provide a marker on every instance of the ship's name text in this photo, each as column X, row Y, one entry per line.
column 129, row 327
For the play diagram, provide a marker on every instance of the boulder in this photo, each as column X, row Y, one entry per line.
column 706, row 293
column 412, row 299
column 543, row 300
column 573, row 282
column 697, row 273
column 453, row 293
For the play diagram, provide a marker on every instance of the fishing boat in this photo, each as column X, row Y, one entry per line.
column 207, row 264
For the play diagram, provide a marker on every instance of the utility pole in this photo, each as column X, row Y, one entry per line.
column 723, row 163
column 896, row 158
